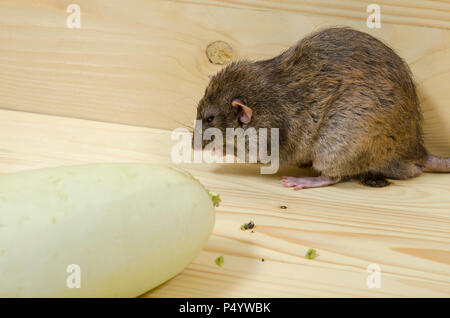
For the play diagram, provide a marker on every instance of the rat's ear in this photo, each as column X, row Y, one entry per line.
column 245, row 112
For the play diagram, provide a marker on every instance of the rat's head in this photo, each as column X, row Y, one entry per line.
column 230, row 100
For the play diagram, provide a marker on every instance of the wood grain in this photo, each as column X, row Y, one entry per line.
column 142, row 62
column 405, row 228
column 113, row 90
column 407, row 12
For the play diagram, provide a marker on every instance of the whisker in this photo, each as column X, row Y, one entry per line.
column 189, row 127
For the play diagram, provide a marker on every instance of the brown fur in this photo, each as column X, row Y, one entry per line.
column 343, row 101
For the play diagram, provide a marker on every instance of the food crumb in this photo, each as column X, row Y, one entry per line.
column 311, row 254
column 53, row 220
column 283, row 207
column 215, row 198
column 220, row 261
column 248, row 226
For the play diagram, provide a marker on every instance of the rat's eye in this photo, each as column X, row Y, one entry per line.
column 210, row 119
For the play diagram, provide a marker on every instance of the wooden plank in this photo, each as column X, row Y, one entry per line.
column 406, row 12
column 142, row 62
column 405, row 228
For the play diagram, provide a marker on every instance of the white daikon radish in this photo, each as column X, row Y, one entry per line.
column 113, row 230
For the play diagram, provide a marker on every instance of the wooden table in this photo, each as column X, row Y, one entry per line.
column 113, row 91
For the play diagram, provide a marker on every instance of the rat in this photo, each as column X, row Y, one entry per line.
column 344, row 102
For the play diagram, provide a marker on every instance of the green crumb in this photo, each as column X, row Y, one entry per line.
column 219, row 261
column 215, row 198
column 247, row 226
column 53, row 220
column 311, row 254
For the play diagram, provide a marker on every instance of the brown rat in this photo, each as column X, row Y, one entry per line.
column 343, row 101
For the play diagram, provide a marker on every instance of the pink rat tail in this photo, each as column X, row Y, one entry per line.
column 438, row 164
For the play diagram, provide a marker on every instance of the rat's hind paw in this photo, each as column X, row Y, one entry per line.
column 308, row 182
column 375, row 181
